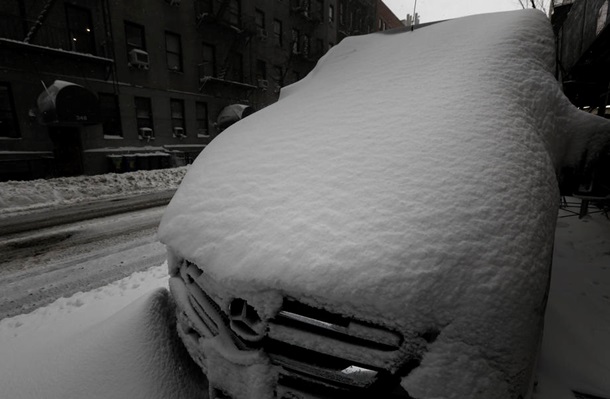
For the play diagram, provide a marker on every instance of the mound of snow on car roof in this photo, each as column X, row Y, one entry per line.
column 409, row 180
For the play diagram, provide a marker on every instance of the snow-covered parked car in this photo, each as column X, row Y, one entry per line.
column 386, row 228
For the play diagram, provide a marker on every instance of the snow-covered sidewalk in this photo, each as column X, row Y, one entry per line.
column 107, row 343
column 26, row 196
column 576, row 350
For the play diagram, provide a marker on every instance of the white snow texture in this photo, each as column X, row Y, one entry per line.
column 23, row 196
column 117, row 341
column 409, row 180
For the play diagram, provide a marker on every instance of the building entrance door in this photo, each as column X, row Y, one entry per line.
column 68, row 150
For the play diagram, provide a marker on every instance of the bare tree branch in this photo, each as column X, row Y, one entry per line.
column 538, row 4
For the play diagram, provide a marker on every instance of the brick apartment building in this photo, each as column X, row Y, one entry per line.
column 91, row 86
column 386, row 18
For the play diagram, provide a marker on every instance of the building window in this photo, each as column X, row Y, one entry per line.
column 341, row 13
column 278, row 75
column 306, row 44
column 110, row 113
column 259, row 19
column 177, row 114
column 238, row 68
column 235, row 12
column 205, row 6
column 208, row 66
column 277, row 32
column 295, row 41
column 201, row 114
column 173, row 48
column 319, row 11
column 8, row 118
column 319, row 47
column 331, row 13
column 144, row 117
column 134, row 37
column 261, row 70
column 305, row 7
column 80, row 29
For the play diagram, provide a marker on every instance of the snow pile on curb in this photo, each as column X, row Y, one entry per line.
column 117, row 341
column 16, row 196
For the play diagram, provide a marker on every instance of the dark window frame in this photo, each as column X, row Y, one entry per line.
column 238, row 68
column 9, row 114
column 131, row 46
column 177, row 114
column 278, row 73
column 209, row 68
column 261, row 70
column 278, row 34
column 206, row 6
column 306, row 44
column 144, row 121
column 259, row 19
column 75, row 34
column 203, row 123
column 111, row 118
column 234, row 12
column 296, row 41
column 170, row 53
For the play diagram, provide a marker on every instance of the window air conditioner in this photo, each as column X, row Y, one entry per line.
column 178, row 132
column 263, row 84
column 145, row 133
column 138, row 58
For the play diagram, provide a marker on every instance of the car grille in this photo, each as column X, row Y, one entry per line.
column 318, row 353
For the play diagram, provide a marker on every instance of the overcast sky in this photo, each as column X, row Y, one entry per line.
column 434, row 10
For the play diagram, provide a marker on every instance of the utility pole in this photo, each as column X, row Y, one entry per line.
column 414, row 7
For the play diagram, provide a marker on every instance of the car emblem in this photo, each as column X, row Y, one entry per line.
column 245, row 321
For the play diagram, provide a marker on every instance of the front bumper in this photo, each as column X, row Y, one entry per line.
column 302, row 352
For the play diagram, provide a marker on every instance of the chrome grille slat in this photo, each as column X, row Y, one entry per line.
column 338, row 327
column 327, row 365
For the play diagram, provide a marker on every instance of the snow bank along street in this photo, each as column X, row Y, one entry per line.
column 25, row 196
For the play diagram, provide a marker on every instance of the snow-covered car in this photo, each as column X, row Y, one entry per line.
column 386, row 228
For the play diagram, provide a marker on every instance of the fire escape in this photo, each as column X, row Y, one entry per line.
column 304, row 50
column 38, row 36
column 39, row 21
column 358, row 18
column 223, row 19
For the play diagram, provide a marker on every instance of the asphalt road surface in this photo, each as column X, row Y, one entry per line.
column 40, row 266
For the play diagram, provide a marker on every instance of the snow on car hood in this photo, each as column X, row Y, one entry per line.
column 409, row 180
